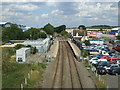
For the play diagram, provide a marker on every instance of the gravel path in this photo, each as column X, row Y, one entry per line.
column 38, row 57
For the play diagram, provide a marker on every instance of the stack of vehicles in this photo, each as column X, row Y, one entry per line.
column 106, row 64
column 105, row 61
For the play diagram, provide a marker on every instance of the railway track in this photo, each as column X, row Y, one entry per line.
column 66, row 73
column 76, row 82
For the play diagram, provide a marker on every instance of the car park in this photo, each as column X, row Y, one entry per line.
column 102, row 57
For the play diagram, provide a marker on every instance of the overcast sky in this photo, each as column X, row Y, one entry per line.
column 72, row 14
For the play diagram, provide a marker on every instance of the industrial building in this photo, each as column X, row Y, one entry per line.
column 22, row 54
column 41, row 45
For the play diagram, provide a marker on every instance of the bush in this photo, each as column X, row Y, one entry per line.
column 18, row 46
column 85, row 53
column 33, row 50
column 87, row 42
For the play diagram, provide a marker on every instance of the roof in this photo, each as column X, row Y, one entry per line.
column 80, row 32
column 118, row 28
column 23, row 49
column 39, row 41
column 3, row 22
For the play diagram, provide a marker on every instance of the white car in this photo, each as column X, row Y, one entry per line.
column 95, row 62
column 102, row 59
column 93, row 59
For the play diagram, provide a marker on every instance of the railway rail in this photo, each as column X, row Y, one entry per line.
column 66, row 73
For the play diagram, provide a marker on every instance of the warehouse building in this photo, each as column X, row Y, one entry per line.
column 22, row 54
column 41, row 45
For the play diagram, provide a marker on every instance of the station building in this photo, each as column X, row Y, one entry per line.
column 41, row 45
column 22, row 54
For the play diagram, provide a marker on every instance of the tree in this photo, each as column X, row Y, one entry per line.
column 82, row 26
column 49, row 29
column 12, row 32
column 43, row 35
column 34, row 33
column 27, row 34
column 60, row 28
column 101, row 29
column 66, row 34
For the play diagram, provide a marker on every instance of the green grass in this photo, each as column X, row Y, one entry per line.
column 13, row 73
column 14, row 77
column 17, row 41
column 101, row 85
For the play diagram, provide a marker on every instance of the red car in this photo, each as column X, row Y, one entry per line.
column 105, row 57
column 117, row 48
column 113, row 60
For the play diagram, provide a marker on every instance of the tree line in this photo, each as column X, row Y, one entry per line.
column 14, row 32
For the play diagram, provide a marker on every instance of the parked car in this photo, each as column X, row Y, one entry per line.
column 93, row 59
column 9, row 43
column 118, row 61
column 109, row 66
column 114, row 70
column 112, row 53
column 113, row 60
column 95, row 62
column 105, row 57
column 99, row 56
column 117, row 48
column 101, row 70
column 102, row 64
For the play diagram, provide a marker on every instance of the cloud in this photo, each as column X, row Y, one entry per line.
column 13, row 11
column 60, row 1
column 96, row 9
column 57, row 12
column 44, row 15
column 68, row 13
column 24, row 6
